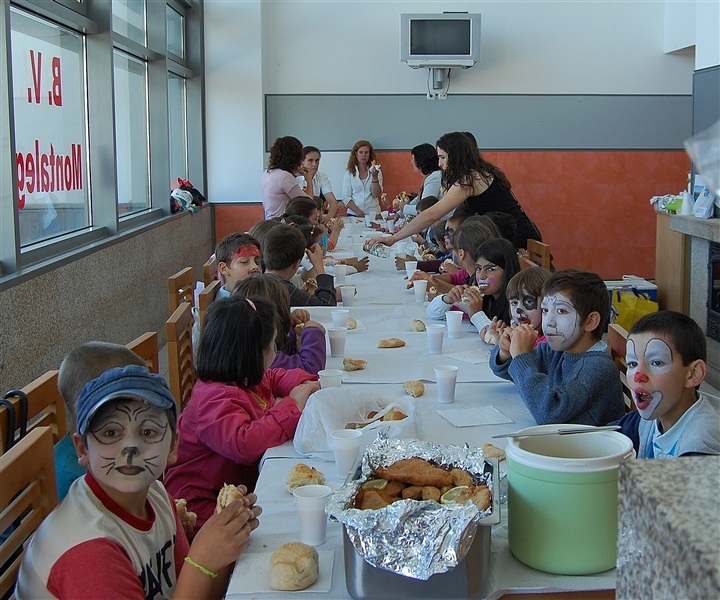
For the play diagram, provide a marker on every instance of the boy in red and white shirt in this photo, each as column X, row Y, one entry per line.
column 117, row 532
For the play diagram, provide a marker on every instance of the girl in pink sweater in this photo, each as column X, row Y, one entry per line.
column 239, row 406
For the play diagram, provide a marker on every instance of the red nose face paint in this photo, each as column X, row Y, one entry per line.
column 246, row 251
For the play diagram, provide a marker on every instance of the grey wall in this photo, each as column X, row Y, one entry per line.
column 499, row 121
column 112, row 295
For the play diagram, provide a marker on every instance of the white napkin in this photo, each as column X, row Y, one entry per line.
column 252, row 575
column 471, row 417
column 475, row 357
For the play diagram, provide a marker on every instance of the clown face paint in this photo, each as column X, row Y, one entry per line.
column 656, row 380
column 488, row 277
column 128, row 444
column 560, row 322
column 245, row 262
column 525, row 311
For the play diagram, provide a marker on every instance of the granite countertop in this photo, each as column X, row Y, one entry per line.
column 669, row 528
column 708, row 229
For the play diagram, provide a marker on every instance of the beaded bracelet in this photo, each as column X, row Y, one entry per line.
column 190, row 561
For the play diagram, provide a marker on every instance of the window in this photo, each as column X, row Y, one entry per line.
column 178, row 126
column 103, row 100
column 131, row 134
column 51, row 156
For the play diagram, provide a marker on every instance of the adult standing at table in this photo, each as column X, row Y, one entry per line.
column 278, row 184
column 362, row 184
column 472, row 183
column 424, row 160
column 315, row 183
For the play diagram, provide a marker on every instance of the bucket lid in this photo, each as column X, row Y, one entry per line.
column 577, row 453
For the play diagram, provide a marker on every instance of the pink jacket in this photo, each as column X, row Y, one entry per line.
column 224, row 431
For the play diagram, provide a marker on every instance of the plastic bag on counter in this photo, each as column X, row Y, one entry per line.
column 338, row 407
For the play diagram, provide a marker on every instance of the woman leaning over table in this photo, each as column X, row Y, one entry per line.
column 315, row 183
column 473, row 183
column 424, row 160
column 278, row 184
column 362, row 184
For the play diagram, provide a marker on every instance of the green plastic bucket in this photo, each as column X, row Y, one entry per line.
column 562, row 499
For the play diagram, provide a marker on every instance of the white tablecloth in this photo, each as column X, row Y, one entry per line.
column 384, row 308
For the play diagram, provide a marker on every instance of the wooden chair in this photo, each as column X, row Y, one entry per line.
column 27, row 495
column 525, row 262
column 146, row 347
column 206, row 298
column 617, row 341
column 45, row 407
column 181, row 365
column 538, row 253
column 210, row 270
column 181, row 288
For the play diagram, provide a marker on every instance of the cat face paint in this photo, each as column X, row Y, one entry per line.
column 525, row 311
column 128, row 443
column 656, row 380
column 560, row 322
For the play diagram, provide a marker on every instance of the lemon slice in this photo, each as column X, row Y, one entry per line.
column 452, row 495
column 377, row 484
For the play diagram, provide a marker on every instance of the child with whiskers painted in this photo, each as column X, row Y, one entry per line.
column 239, row 406
column 571, row 378
column 305, row 351
column 524, row 293
column 666, row 363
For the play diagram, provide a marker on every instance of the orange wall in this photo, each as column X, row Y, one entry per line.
column 592, row 207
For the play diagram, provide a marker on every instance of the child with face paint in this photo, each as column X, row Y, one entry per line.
column 571, row 378
column 666, row 362
column 239, row 406
column 524, row 293
column 117, row 532
column 238, row 256
column 306, row 352
column 472, row 234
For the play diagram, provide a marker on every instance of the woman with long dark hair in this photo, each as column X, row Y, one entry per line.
column 474, row 184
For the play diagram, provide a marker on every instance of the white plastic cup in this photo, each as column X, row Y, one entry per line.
column 368, row 220
column 420, row 287
column 330, row 378
column 454, row 323
column 337, row 337
column 391, row 226
column 340, row 317
column 346, row 445
column 446, row 378
column 435, row 333
column 384, row 214
column 340, row 274
column 347, row 295
column 310, row 502
column 410, row 268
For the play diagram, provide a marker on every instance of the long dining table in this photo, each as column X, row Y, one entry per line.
column 484, row 406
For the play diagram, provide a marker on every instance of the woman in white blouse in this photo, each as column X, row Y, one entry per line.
column 362, row 184
column 315, row 183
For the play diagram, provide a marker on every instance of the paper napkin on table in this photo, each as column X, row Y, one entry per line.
column 471, row 417
column 471, row 356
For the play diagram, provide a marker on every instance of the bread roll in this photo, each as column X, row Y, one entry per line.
column 293, row 567
column 394, row 415
column 351, row 323
column 417, row 325
column 229, row 493
column 492, row 337
column 301, row 474
column 391, row 343
column 491, row 451
column 414, row 388
column 184, row 515
column 354, row 364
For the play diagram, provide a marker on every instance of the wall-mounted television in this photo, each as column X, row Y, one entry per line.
column 440, row 40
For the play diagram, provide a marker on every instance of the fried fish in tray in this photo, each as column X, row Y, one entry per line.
column 416, row 471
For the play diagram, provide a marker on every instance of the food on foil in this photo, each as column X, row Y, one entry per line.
column 415, row 471
column 301, row 474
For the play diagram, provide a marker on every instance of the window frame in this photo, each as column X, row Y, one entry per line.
column 93, row 18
